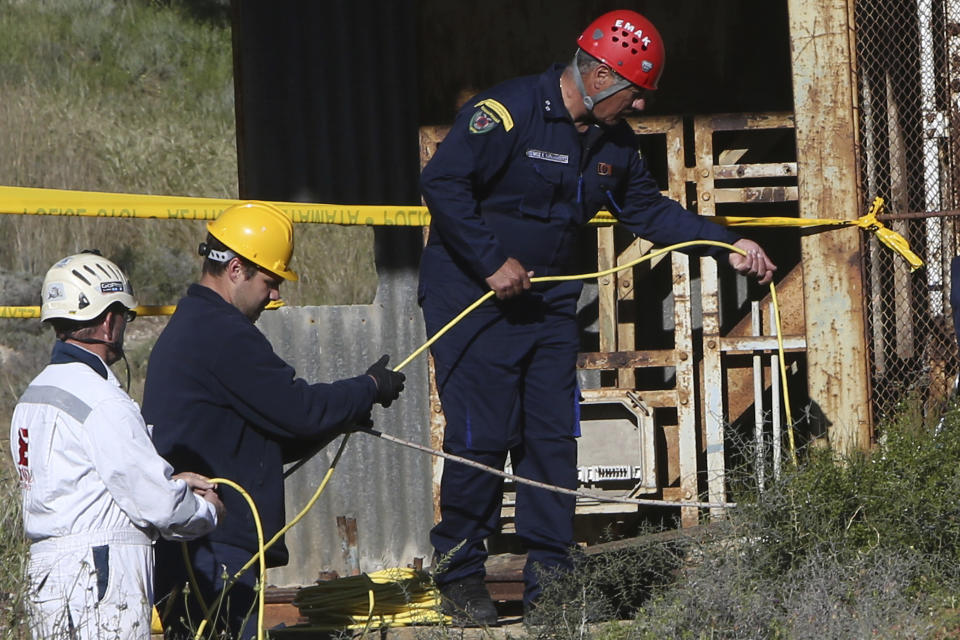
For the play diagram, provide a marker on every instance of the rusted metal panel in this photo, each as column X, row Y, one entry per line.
column 347, row 531
column 754, row 194
column 713, row 414
column 746, row 121
column 685, row 381
column 759, row 170
column 821, row 45
column 750, row 344
column 712, row 387
column 657, row 398
column 629, row 359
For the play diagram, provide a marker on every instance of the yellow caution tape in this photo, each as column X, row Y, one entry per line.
column 63, row 202
column 142, row 310
column 869, row 222
column 95, row 204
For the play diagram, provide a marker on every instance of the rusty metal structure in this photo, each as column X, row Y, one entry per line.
column 908, row 87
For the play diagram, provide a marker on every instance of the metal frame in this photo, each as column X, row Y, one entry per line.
column 703, row 388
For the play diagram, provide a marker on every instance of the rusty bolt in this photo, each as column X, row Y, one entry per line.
column 625, row 284
column 706, row 196
column 687, row 495
column 683, row 355
column 437, row 408
column 705, row 173
column 605, row 281
column 712, row 344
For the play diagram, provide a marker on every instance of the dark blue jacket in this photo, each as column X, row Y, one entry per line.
column 511, row 180
column 223, row 404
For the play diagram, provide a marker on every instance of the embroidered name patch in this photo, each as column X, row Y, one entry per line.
column 549, row 156
column 483, row 121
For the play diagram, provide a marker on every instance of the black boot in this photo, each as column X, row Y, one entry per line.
column 469, row 603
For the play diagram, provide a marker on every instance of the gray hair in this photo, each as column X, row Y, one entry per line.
column 586, row 63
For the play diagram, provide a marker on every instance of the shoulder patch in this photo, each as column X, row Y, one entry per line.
column 483, row 121
column 500, row 110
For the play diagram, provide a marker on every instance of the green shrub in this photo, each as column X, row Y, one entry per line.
column 13, row 558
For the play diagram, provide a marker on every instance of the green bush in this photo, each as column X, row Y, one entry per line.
column 863, row 546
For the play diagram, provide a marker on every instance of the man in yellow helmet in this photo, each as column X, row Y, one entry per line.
column 222, row 403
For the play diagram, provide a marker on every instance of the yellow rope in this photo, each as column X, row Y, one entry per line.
column 632, row 263
column 263, row 565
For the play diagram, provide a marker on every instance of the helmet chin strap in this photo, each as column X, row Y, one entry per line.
column 591, row 101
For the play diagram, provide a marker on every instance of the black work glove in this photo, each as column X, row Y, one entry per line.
column 389, row 383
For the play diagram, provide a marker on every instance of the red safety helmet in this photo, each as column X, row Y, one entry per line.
column 629, row 44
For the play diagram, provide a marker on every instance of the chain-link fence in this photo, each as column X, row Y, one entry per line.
column 908, row 75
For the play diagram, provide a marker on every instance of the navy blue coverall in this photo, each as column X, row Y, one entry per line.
column 514, row 178
column 223, row 404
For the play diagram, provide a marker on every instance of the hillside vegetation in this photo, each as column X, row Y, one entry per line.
column 132, row 96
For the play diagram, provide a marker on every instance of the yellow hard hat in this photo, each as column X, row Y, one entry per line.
column 259, row 232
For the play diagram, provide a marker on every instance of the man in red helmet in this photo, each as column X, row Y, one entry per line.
column 524, row 167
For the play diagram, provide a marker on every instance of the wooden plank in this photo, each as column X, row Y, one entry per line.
column 606, row 290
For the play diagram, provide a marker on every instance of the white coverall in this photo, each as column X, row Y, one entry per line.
column 95, row 496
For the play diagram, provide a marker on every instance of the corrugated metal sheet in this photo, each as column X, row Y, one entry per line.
column 387, row 488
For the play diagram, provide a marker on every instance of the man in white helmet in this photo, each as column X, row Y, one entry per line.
column 95, row 492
